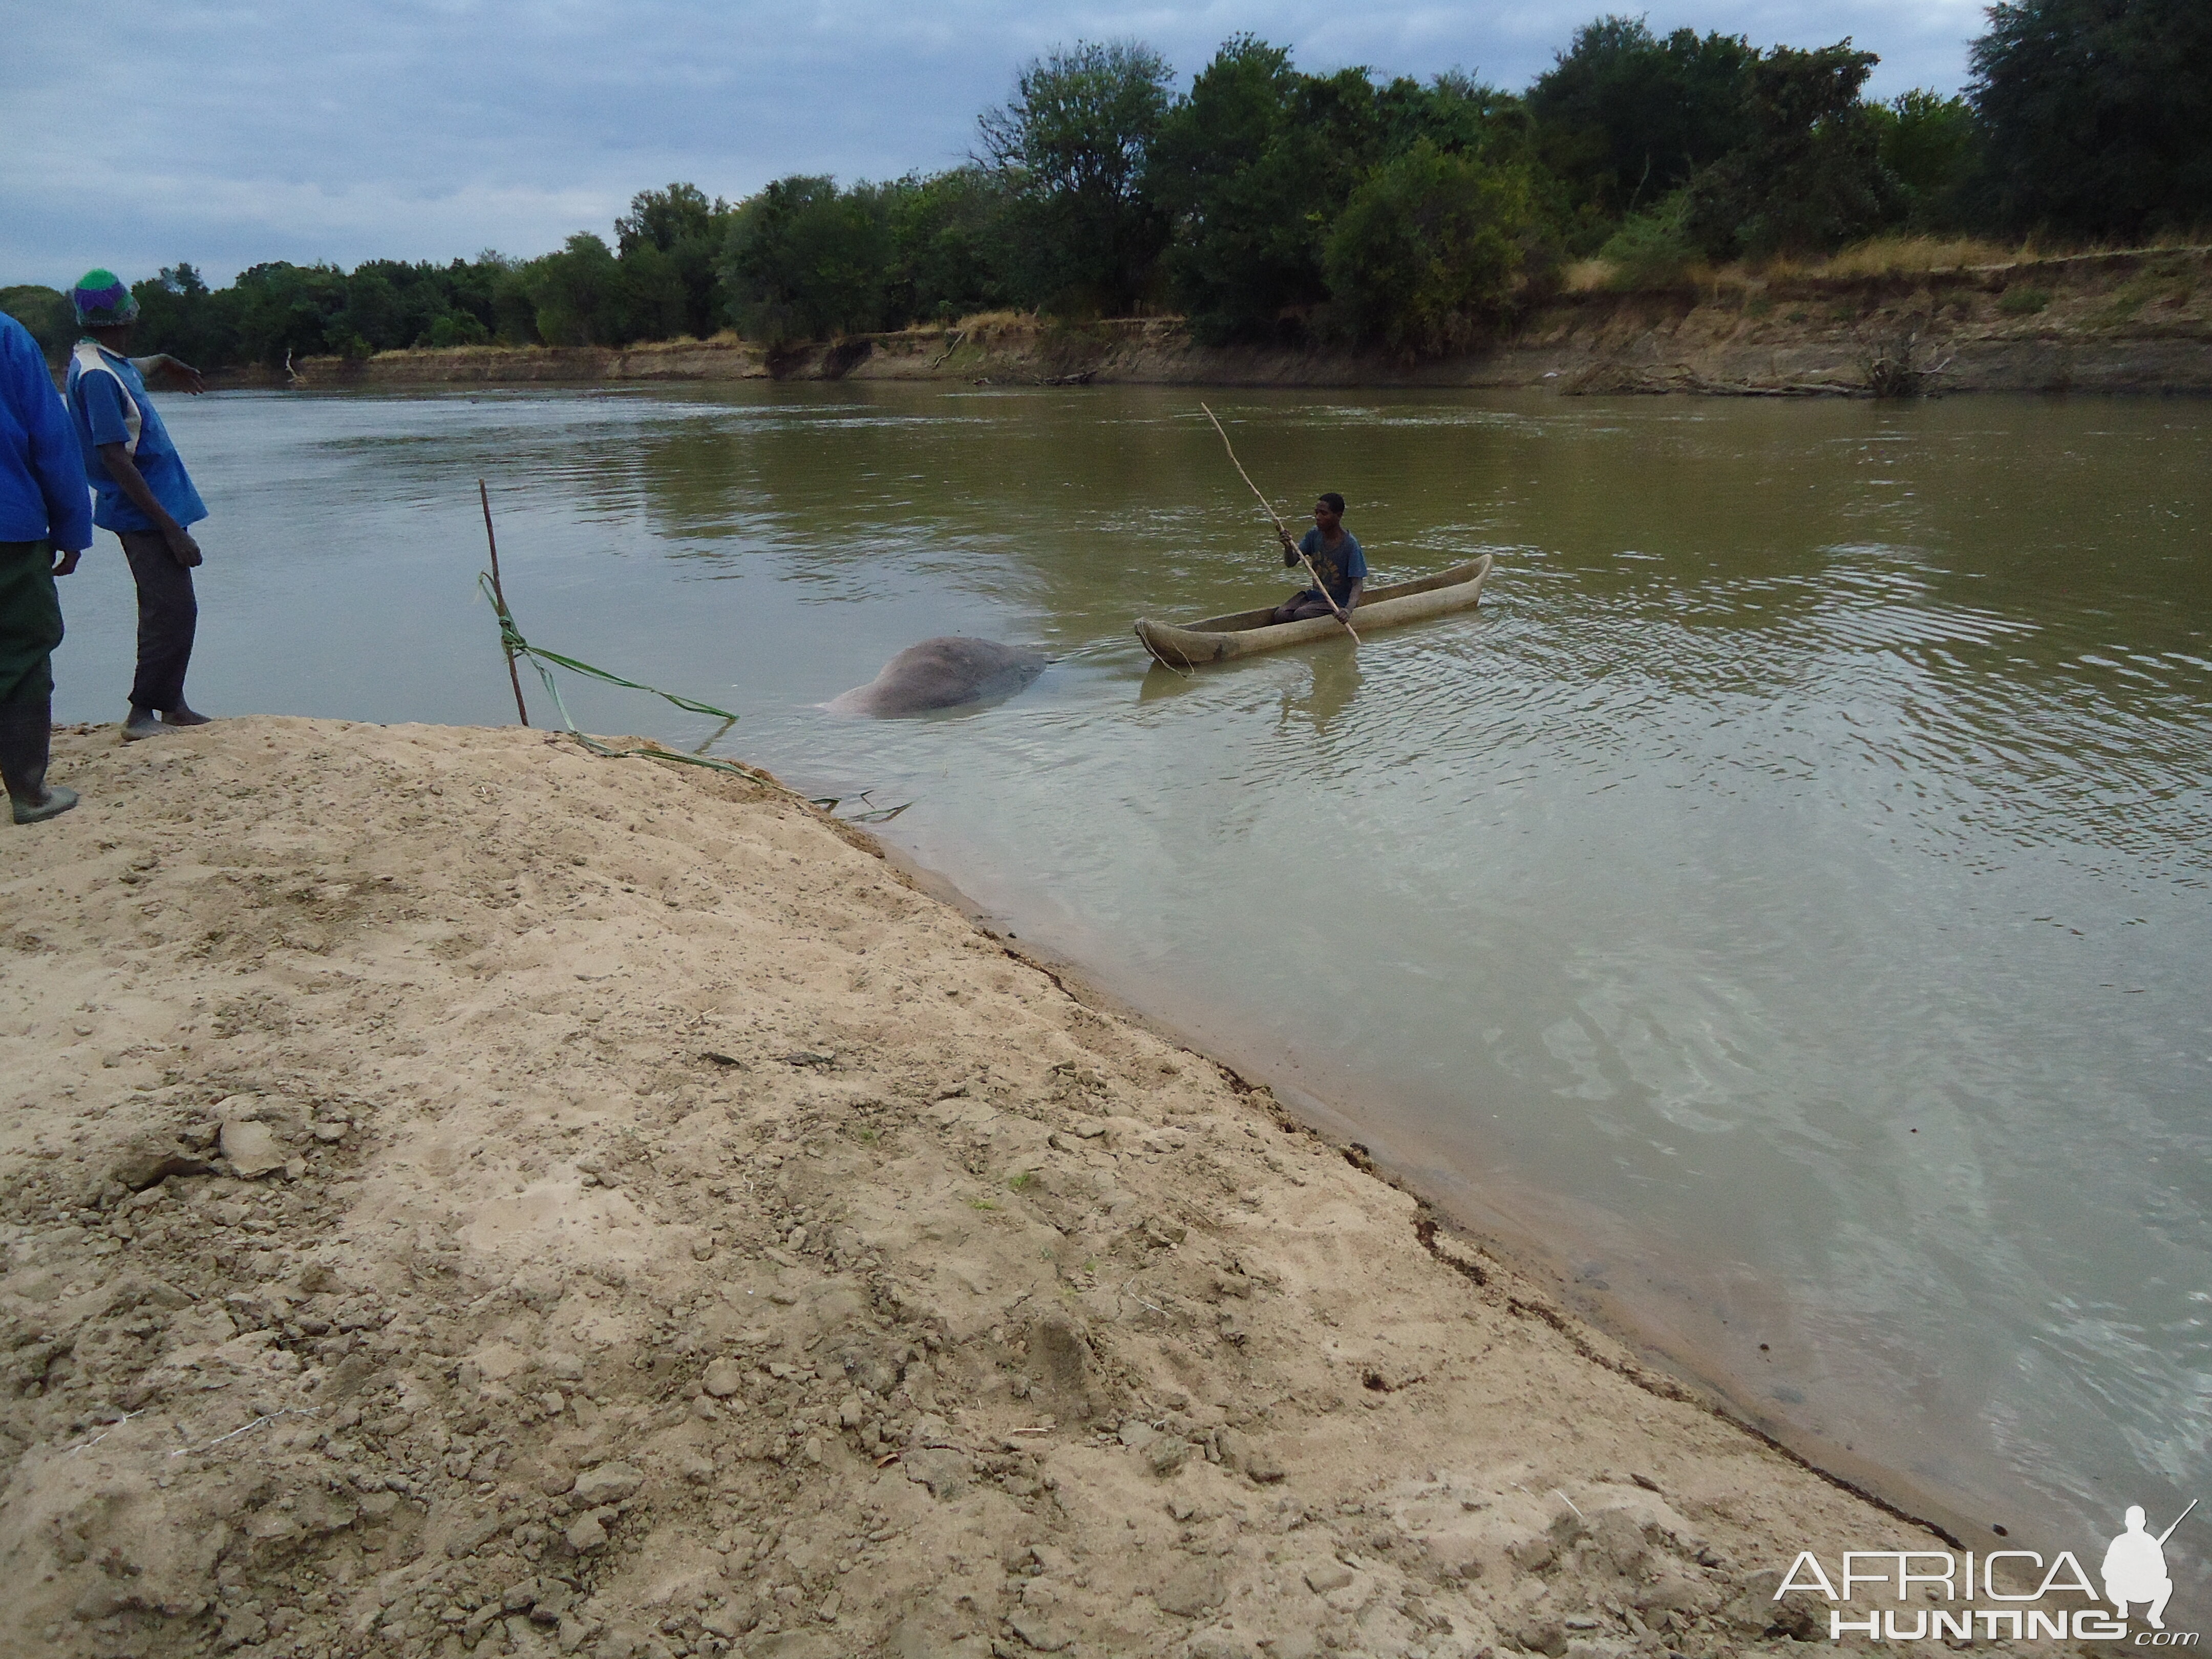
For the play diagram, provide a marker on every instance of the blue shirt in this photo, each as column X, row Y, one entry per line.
column 1337, row 569
column 108, row 400
column 42, row 495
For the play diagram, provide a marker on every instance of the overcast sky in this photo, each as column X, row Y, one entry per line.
column 226, row 132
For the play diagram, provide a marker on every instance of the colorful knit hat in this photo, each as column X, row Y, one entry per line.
column 102, row 301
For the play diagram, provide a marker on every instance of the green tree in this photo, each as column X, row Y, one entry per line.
column 283, row 310
column 1932, row 145
column 1253, row 166
column 1072, row 143
column 1428, row 249
column 687, row 233
column 1256, row 163
column 1250, row 167
column 664, row 218
column 374, row 318
column 577, row 293
column 650, row 298
column 1625, row 116
column 1458, row 114
column 2098, row 115
column 45, row 313
column 471, row 289
column 514, row 310
column 179, row 313
column 807, row 261
column 948, row 245
column 1809, row 177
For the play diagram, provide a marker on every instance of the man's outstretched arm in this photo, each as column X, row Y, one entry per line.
column 180, row 373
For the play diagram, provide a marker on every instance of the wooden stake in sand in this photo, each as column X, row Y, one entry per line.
column 1281, row 529
column 497, row 592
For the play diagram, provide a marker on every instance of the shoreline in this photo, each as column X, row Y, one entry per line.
column 1663, row 1357
column 2133, row 322
column 461, row 1190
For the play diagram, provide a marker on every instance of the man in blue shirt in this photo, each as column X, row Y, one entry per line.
column 142, row 492
column 45, row 523
column 1337, row 560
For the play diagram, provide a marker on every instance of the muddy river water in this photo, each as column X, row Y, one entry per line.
column 1785, row 903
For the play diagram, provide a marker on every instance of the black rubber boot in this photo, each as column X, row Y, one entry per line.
column 25, row 734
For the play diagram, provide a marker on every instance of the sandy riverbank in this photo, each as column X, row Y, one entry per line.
column 2137, row 321
column 459, row 1194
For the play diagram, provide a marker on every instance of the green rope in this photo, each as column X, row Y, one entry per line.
column 511, row 638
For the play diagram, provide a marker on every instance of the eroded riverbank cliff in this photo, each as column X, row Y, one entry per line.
column 2132, row 322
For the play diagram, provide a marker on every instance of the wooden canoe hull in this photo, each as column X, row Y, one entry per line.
column 1217, row 639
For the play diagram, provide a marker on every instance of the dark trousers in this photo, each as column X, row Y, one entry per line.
column 168, row 618
column 30, row 629
column 30, row 622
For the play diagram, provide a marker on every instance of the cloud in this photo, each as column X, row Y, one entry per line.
column 226, row 134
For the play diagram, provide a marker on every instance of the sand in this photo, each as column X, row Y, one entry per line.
column 460, row 1194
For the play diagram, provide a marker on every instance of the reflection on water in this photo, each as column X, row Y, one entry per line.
column 1786, row 894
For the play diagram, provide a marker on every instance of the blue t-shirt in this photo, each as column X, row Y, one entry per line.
column 108, row 401
column 41, row 480
column 1339, row 569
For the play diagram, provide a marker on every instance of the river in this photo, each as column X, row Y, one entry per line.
column 1783, row 905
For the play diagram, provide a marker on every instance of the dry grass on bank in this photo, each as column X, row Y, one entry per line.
column 1889, row 256
column 1908, row 256
column 1588, row 275
column 1003, row 321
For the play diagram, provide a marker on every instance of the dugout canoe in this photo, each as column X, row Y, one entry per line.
column 1186, row 644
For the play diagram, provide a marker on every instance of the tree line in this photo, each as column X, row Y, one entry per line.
column 1266, row 203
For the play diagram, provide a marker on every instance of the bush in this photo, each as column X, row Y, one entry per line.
column 1654, row 249
column 458, row 328
column 1428, row 250
column 2023, row 302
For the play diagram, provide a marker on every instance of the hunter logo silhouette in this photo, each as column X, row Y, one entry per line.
column 2135, row 1567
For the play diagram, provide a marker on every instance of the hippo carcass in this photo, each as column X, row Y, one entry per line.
column 942, row 673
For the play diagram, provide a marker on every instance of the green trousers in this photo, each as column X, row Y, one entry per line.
column 30, row 622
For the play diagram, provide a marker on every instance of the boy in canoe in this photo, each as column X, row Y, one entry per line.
column 1337, row 560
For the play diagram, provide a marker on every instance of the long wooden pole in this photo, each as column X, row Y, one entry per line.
column 1282, row 530
column 499, row 593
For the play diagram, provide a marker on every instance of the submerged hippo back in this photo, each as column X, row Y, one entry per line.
column 942, row 673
